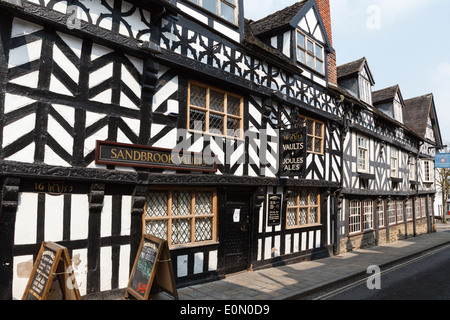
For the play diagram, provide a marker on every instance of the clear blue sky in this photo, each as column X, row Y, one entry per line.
column 406, row 42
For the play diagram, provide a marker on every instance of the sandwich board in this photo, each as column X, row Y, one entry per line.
column 52, row 260
column 152, row 269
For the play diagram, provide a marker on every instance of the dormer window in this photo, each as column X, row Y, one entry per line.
column 310, row 53
column 398, row 110
column 365, row 87
column 226, row 9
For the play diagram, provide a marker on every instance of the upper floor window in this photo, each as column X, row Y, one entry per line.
column 428, row 170
column 394, row 163
column 412, row 169
column 363, row 154
column 315, row 133
column 365, row 90
column 226, row 9
column 310, row 53
column 398, row 110
column 215, row 111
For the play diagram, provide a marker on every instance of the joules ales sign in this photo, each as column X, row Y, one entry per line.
column 293, row 152
column 112, row 153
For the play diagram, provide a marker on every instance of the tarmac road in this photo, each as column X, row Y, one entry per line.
column 425, row 277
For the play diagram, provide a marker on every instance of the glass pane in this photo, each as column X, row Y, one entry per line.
column 216, row 101
column 181, row 203
column 313, row 198
column 309, row 143
column 292, row 200
column 181, row 231
column 210, row 5
column 319, row 66
column 227, row 12
column 233, row 105
column 310, row 46
column 300, row 40
column 319, row 52
column 157, row 229
column 156, row 204
column 233, row 127
column 303, row 200
column 198, row 96
column 318, row 129
column 313, row 215
column 302, row 216
column 309, row 127
column 203, row 229
column 318, row 145
column 197, row 120
column 216, row 123
column 203, row 203
column 301, row 56
column 310, row 61
column 291, row 217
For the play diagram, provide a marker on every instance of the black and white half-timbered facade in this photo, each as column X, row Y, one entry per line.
column 179, row 119
column 229, row 138
column 389, row 148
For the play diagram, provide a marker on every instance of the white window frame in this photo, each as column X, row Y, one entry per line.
column 365, row 90
column 354, row 217
column 367, row 206
column 412, row 169
column 427, row 171
column 363, row 154
column 231, row 3
column 394, row 162
column 308, row 53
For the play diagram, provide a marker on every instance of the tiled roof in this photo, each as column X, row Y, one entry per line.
column 385, row 94
column 276, row 20
column 350, row 68
column 416, row 113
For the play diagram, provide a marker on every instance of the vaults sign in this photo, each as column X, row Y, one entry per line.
column 293, row 152
column 112, row 153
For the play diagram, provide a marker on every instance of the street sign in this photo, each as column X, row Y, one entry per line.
column 442, row 160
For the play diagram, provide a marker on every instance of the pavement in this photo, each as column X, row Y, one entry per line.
column 298, row 280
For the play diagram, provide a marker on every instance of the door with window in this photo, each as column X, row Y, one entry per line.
column 237, row 230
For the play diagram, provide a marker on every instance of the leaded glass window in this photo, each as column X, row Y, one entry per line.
column 303, row 208
column 214, row 111
column 181, row 216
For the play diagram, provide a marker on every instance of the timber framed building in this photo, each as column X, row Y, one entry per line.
column 228, row 138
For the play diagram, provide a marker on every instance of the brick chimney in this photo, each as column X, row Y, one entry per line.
column 325, row 12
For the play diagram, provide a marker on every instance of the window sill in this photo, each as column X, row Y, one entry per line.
column 192, row 245
column 313, row 225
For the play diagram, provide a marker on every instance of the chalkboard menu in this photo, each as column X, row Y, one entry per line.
column 274, row 210
column 53, row 259
column 144, row 267
column 152, row 267
column 293, row 152
column 44, row 271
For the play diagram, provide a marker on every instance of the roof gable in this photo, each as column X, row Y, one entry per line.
column 416, row 113
column 304, row 15
column 355, row 67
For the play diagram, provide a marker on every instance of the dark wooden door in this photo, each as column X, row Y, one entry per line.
column 237, row 233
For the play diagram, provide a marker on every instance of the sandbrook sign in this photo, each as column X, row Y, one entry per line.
column 113, row 153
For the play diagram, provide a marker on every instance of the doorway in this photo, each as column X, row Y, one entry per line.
column 237, row 231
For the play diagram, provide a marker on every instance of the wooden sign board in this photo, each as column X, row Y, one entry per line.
column 53, row 260
column 152, row 268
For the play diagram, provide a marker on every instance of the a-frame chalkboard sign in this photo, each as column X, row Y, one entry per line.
column 52, row 260
column 152, row 269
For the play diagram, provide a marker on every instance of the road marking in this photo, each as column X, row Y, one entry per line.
column 396, row 267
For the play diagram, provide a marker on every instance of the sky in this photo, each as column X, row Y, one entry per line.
column 406, row 42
